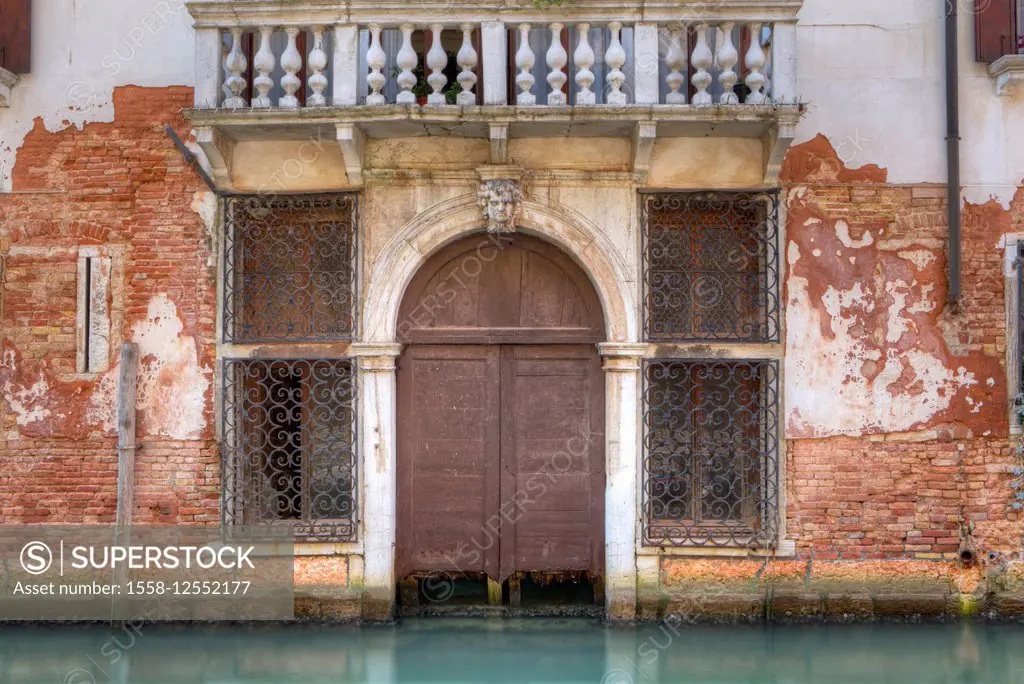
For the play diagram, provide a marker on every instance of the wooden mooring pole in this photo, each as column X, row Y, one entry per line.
column 126, row 393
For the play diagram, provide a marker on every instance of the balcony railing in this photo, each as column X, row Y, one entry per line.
column 386, row 67
column 699, row 61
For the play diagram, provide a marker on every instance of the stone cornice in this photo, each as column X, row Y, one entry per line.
column 784, row 114
column 7, row 82
column 1008, row 73
column 248, row 13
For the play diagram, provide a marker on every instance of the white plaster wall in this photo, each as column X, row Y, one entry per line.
column 82, row 50
column 873, row 74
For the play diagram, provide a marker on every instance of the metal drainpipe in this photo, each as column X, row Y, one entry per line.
column 953, row 151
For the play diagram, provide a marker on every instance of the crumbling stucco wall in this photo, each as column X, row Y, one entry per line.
column 123, row 188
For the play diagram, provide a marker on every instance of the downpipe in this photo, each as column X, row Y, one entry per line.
column 953, row 155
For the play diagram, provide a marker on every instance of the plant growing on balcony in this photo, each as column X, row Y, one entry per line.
column 422, row 89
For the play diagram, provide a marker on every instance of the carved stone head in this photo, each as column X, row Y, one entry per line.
column 501, row 201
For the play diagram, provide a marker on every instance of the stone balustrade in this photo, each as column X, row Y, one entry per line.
column 281, row 61
column 375, row 69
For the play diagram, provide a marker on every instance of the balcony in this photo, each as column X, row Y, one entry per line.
column 362, row 69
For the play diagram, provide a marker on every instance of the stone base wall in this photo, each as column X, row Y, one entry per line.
column 768, row 590
column 328, row 588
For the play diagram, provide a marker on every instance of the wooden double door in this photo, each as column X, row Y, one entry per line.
column 500, row 413
column 501, row 460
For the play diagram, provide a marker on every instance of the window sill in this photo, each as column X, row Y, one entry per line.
column 1008, row 72
column 7, row 82
column 309, row 549
column 786, row 549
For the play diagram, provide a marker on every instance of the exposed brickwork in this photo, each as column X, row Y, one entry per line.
column 122, row 187
column 861, row 498
column 58, row 481
column 943, row 478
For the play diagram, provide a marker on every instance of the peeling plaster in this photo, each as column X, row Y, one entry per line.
column 172, row 396
column 87, row 55
column 27, row 402
column 204, row 204
column 843, row 233
column 871, row 334
column 172, row 385
column 857, row 403
column 919, row 257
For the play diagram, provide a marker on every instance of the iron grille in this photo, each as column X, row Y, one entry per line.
column 288, row 268
column 711, row 266
column 1020, row 319
column 289, row 443
column 711, row 453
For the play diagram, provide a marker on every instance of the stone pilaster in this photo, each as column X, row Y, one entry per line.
column 622, row 364
column 377, row 397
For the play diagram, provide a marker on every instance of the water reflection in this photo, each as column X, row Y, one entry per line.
column 562, row 651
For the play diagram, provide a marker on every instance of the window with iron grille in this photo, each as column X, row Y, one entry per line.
column 289, row 445
column 1018, row 391
column 289, row 268
column 711, row 267
column 711, row 452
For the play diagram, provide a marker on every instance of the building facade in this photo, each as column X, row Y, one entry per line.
column 666, row 301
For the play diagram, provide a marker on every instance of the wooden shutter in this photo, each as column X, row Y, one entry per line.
column 16, row 35
column 995, row 29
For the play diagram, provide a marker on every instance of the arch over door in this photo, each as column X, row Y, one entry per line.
column 500, row 413
column 500, row 290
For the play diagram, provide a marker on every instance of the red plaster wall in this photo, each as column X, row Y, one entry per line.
column 857, row 489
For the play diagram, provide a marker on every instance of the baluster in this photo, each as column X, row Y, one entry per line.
column 525, row 61
column 291, row 62
column 225, row 50
column 235, row 64
column 556, row 59
column 728, row 56
column 701, row 60
column 584, row 58
column 376, row 58
column 317, row 63
column 467, row 59
column 615, row 56
column 437, row 60
column 263, row 61
column 406, row 61
column 675, row 60
column 754, row 61
column 768, row 69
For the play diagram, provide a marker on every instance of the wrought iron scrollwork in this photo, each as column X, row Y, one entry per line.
column 289, row 268
column 711, row 267
column 711, row 453
column 289, row 443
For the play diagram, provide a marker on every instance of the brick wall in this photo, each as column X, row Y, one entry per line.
column 122, row 187
column 910, row 453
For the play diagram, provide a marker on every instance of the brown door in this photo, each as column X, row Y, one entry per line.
column 449, row 451
column 500, row 414
column 552, row 459
column 501, row 464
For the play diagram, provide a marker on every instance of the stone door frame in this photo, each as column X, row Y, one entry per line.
column 615, row 281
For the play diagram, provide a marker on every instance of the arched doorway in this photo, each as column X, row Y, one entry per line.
column 500, row 415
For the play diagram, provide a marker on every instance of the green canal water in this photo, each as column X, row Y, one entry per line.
column 449, row 650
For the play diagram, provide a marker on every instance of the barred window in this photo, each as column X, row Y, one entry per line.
column 289, row 268
column 711, row 267
column 289, row 445
column 711, row 453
